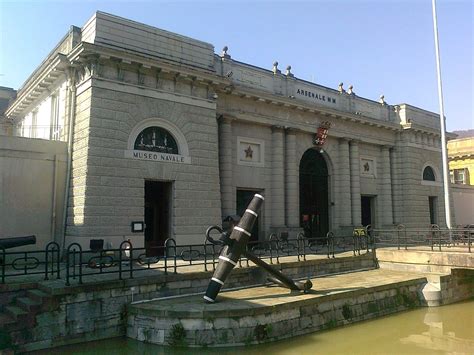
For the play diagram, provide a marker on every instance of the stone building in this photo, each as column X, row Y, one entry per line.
column 461, row 169
column 461, row 160
column 162, row 130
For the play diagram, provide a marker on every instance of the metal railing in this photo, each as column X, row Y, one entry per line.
column 433, row 238
column 126, row 261
column 48, row 132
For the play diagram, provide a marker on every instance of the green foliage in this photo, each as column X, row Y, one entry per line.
column 346, row 311
column 5, row 340
column 373, row 307
column 224, row 337
column 177, row 335
column 261, row 332
column 331, row 324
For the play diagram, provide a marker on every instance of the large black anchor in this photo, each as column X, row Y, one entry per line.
column 234, row 246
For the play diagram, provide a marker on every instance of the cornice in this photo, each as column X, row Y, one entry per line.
column 37, row 85
column 103, row 53
column 326, row 113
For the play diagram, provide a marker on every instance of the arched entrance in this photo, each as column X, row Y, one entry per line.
column 314, row 208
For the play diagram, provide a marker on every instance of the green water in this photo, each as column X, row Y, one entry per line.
column 440, row 330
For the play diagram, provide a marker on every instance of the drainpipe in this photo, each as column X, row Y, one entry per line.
column 71, row 121
column 55, row 188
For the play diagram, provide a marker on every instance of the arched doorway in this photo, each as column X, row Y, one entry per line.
column 314, row 208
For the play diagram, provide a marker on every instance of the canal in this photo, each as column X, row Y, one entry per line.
column 437, row 330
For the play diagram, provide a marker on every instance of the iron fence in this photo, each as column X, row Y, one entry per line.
column 78, row 265
column 433, row 238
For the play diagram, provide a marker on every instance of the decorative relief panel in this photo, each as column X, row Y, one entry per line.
column 250, row 152
column 368, row 167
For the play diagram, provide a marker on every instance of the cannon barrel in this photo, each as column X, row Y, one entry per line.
column 7, row 243
column 236, row 245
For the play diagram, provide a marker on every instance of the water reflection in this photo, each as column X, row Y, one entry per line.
column 443, row 335
column 442, row 330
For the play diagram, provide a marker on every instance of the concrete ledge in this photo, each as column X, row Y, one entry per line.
column 264, row 314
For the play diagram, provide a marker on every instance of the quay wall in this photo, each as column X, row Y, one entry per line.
column 266, row 324
column 95, row 311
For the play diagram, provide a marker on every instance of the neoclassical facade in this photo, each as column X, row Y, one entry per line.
column 166, row 138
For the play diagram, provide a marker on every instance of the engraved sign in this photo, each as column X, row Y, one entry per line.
column 315, row 95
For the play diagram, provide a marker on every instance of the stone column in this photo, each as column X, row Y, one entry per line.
column 278, row 178
column 344, row 184
column 395, row 183
column 355, row 182
column 385, row 200
column 225, row 160
column 292, row 181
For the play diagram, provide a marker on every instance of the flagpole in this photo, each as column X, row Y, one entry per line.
column 447, row 207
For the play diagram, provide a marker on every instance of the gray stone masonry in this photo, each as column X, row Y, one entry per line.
column 265, row 314
column 97, row 310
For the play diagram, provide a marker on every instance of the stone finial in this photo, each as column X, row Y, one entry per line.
column 382, row 100
column 340, row 88
column 275, row 69
column 224, row 54
column 351, row 90
column 288, row 71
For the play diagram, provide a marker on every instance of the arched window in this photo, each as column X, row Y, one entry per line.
column 428, row 174
column 156, row 139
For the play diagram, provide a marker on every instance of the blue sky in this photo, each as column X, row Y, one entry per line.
column 379, row 46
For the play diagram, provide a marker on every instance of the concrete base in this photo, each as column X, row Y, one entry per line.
column 270, row 313
column 414, row 260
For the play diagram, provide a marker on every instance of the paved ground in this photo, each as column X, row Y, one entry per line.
column 264, row 296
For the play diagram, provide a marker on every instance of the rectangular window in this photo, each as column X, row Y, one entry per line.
column 460, row 176
column 55, row 130
column 433, row 202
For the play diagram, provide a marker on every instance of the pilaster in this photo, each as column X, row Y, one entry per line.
column 291, row 181
column 225, row 158
column 385, row 202
column 343, row 184
column 355, row 182
column 278, row 177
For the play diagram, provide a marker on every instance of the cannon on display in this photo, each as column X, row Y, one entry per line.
column 13, row 242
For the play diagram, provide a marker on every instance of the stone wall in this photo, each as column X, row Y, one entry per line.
column 96, row 311
column 108, row 186
column 266, row 324
column 32, row 179
column 411, row 203
column 463, row 203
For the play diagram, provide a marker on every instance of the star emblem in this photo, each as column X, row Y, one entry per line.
column 248, row 152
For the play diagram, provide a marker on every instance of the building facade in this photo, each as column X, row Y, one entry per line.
column 461, row 169
column 164, row 132
column 461, row 160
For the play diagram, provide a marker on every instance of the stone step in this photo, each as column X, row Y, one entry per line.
column 28, row 304
column 6, row 320
column 9, row 324
column 37, row 295
column 16, row 312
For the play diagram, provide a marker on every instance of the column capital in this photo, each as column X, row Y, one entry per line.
column 344, row 140
column 387, row 147
column 291, row 130
column 276, row 128
column 225, row 119
column 354, row 142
